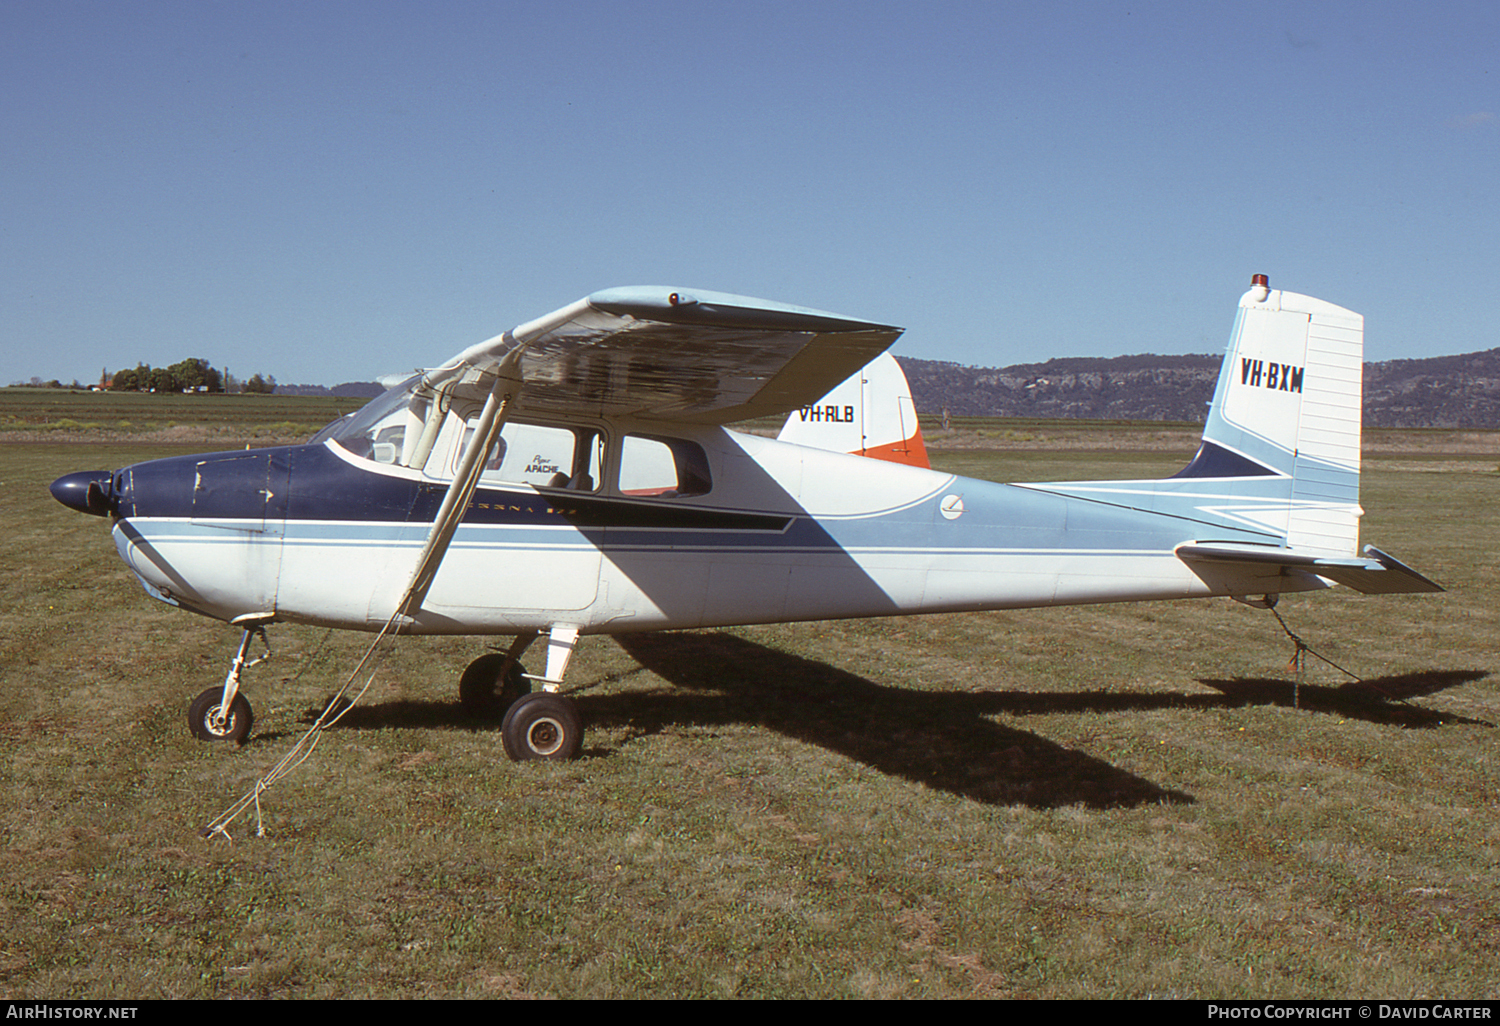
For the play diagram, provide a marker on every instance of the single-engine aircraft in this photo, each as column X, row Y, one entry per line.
column 575, row 476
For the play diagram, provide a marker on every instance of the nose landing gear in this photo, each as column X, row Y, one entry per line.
column 222, row 713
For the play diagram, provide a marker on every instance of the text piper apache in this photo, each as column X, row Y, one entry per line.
column 576, row 476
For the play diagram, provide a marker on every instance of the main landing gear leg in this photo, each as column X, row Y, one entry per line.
column 222, row 713
column 545, row 725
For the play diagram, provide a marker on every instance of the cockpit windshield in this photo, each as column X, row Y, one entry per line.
column 376, row 430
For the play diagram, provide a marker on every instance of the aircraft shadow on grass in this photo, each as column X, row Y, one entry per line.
column 941, row 740
column 1382, row 700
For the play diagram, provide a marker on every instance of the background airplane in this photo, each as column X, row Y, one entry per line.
column 870, row 413
column 576, row 476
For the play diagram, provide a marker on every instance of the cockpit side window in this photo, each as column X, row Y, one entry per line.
column 660, row 467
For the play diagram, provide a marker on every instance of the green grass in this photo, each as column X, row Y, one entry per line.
column 1113, row 801
column 57, row 413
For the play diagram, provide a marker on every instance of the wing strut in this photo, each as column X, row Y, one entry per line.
column 456, row 502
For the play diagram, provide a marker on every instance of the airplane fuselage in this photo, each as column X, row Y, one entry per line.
column 318, row 534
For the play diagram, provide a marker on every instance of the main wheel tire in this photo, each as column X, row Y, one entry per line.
column 483, row 695
column 207, row 727
column 542, row 726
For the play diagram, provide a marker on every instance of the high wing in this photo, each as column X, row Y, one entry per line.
column 676, row 354
column 645, row 351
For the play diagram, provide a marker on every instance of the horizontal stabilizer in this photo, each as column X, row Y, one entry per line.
column 1393, row 578
column 1376, row 573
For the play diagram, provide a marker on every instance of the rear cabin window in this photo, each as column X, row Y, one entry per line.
column 663, row 468
column 540, row 455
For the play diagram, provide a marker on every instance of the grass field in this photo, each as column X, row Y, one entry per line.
column 28, row 413
column 1097, row 802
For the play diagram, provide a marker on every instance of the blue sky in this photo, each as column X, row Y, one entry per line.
column 330, row 191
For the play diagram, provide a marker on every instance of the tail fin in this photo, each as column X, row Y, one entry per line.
column 1288, row 405
column 1274, row 488
column 870, row 414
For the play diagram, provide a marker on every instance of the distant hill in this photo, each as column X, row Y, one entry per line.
column 1441, row 391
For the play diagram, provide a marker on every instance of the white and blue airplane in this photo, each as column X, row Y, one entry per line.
column 576, row 476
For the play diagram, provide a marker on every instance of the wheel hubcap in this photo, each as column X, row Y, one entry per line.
column 545, row 736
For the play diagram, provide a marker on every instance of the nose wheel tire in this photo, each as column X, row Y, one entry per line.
column 206, row 725
column 483, row 695
column 542, row 726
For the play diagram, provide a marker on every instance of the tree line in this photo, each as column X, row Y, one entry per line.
column 194, row 374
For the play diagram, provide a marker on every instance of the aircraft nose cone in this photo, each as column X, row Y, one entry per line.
column 87, row 491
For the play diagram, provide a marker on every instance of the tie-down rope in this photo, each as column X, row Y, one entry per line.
column 331, row 714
